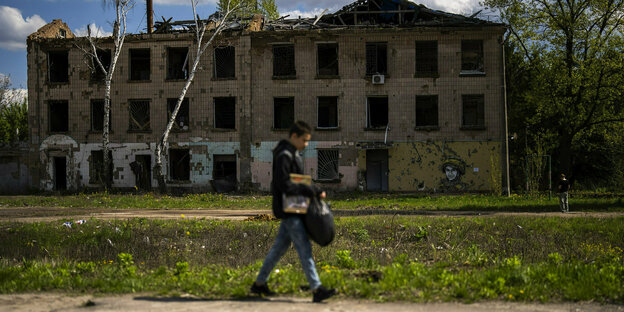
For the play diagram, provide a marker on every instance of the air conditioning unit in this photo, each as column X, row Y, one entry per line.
column 378, row 79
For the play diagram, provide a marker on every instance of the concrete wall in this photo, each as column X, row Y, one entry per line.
column 14, row 173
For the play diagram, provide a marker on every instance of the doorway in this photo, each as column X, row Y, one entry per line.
column 144, row 174
column 377, row 170
column 60, row 173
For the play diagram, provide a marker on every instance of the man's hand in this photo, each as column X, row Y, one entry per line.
column 323, row 195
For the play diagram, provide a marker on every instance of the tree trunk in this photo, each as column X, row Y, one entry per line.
column 108, row 180
column 565, row 155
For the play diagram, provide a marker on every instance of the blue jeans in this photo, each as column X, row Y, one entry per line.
column 563, row 202
column 291, row 230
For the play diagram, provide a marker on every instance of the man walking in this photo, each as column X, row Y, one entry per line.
column 563, row 188
column 286, row 160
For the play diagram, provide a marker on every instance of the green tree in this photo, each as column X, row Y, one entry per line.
column 268, row 8
column 14, row 122
column 565, row 72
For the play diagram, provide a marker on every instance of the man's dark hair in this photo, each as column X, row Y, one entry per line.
column 300, row 128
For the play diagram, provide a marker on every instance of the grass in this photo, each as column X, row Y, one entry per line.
column 382, row 258
column 340, row 201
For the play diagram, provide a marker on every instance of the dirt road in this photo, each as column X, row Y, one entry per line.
column 139, row 303
column 44, row 214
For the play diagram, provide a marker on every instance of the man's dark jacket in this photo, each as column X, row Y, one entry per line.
column 286, row 160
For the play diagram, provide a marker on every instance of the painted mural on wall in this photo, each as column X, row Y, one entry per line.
column 454, row 170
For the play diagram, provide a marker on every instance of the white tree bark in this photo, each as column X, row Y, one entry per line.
column 200, row 30
column 122, row 7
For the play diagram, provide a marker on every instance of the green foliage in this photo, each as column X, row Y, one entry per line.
column 268, row 8
column 565, row 67
column 14, row 122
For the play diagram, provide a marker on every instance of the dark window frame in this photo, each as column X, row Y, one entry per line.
column 138, row 74
column 177, row 70
column 283, row 119
column 325, row 68
column 369, row 115
column 95, row 167
column 55, row 61
column 224, row 166
column 185, row 172
column 472, row 58
column 100, row 113
column 106, row 57
column 477, row 100
column 182, row 116
column 284, row 61
column 426, row 60
column 53, row 119
column 220, row 104
column 138, row 128
column 331, row 166
column 230, row 73
column 334, row 100
column 427, row 105
column 376, row 58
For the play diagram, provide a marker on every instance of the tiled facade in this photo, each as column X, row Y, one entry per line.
column 400, row 157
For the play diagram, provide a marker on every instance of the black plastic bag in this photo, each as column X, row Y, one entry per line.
column 319, row 222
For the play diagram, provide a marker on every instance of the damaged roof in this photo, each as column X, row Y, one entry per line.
column 361, row 13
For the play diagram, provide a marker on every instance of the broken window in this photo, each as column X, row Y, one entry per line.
column 284, row 60
column 426, row 110
column 139, row 64
column 225, row 112
column 177, row 63
column 105, row 58
column 97, row 116
column 182, row 121
column 179, row 164
column 376, row 58
column 96, row 167
column 473, row 113
column 59, row 116
column 58, row 65
column 225, row 64
column 139, row 115
column 224, row 167
column 472, row 57
column 377, row 112
column 62, row 33
column 426, row 58
column 283, row 112
column 327, row 59
column 327, row 164
column 327, row 112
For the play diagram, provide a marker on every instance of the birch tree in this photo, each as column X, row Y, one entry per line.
column 122, row 7
column 200, row 31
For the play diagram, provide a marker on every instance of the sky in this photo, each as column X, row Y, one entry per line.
column 19, row 18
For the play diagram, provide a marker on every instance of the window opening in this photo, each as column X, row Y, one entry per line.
column 377, row 112
column 58, row 65
column 59, row 119
column 224, row 62
column 284, row 60
column 327, row 59
column 96, row 167
column 139, row 64
column 224, row 167
column 179, row 164
column 182, row 121
column 97, row 116
column 225, row 112
column 473, row 110
column 105, row 58
column 472, row 57
column 177, row 63
column 283, row 112
column 327, row 112
column 426, row 110
column 426, row 58
column 328, row 164
column 376, row 58
column 139, row 115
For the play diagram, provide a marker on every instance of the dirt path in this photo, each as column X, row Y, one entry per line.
column 63, row 302
column 46, row 214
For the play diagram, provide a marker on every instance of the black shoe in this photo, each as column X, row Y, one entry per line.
column 261, row 289
column 323, row 293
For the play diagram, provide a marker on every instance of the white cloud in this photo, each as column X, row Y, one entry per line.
column 14, row 96
column 183, row 2
column 96, row 31
column 312, row 13
column 15, row 29
column 464, row 7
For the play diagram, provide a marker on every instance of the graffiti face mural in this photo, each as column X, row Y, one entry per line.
column 453, row 170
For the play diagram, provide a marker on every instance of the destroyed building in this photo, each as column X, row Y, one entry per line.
column 401, row 98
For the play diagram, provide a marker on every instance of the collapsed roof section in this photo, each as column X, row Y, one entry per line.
column 361, row 13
